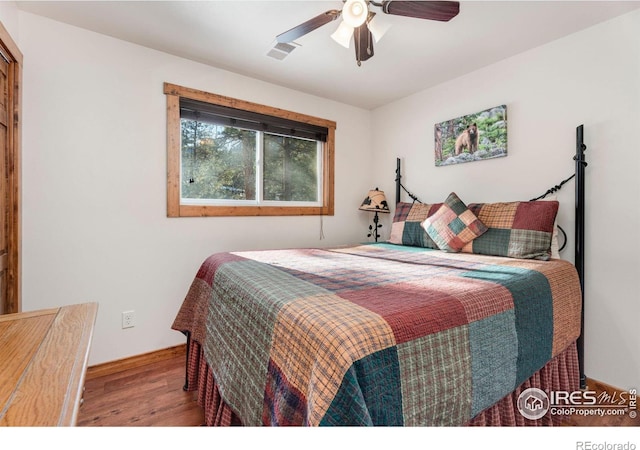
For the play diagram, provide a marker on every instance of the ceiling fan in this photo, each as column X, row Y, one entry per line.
column 359, row 21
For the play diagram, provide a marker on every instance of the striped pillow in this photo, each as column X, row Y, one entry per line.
column 453, row 226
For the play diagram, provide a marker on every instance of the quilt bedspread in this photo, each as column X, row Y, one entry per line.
column 376, row 334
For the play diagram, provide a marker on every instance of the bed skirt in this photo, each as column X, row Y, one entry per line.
column 560, row 374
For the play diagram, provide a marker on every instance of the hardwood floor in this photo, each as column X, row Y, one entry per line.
column 146, row 395
column 148, row 392
column 604, row 391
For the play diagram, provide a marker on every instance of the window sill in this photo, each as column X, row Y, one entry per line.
column 222, row 211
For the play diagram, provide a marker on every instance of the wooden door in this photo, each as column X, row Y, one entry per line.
column 10, row 80
column 4, row 188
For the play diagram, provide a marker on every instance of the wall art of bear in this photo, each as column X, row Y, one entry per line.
column 473, row 137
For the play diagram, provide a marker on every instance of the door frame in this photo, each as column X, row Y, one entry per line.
column 9, row 49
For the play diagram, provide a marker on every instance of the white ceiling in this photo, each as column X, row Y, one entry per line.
column 413, row 55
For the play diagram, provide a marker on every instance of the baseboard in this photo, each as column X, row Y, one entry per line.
column 599, row 386
column 109, row 368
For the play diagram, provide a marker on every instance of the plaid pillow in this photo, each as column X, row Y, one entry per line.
column 406, row 227
column 516, row 229
column 453, row 226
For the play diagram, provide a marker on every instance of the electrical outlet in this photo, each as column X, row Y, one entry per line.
column 128, row 319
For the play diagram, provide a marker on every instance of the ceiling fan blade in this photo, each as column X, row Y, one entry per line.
column 363, row 40
column 442, row 11
column 308, row 26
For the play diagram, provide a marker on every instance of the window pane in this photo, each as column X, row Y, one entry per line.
column 218, row 162
column 290, row 169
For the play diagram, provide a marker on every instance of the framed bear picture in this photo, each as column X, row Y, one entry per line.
column 474, row 137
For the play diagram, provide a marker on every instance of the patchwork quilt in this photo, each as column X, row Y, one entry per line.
column 376, row 334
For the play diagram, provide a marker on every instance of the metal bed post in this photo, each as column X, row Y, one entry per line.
column 400, row 187
column 398, row 183
column 579, row 239
column 186, row 370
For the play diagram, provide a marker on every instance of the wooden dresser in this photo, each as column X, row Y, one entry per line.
column 43, row 360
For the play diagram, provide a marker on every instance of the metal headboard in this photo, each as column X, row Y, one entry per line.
column 579, row 175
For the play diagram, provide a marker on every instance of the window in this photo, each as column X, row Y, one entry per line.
column 228, row 157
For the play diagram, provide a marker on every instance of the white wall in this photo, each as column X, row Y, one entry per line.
column 9, row 18
column 94, row 219
column 94, row 182
column 590, row 78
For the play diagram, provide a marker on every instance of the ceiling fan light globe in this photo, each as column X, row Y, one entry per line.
column 343, row 34
column 355, row 12
column 378, row 28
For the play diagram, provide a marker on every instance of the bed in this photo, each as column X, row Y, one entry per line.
column 395, row 333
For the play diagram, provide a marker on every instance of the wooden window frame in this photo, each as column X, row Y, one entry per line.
column 176, row 209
